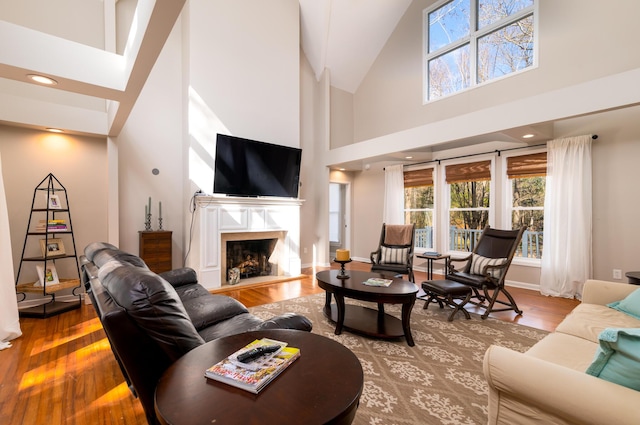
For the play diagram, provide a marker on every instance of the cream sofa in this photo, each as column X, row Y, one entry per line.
column 548, row 383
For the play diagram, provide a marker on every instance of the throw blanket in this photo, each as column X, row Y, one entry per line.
column 398, row 234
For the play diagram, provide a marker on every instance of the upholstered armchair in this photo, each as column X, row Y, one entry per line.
column 395, row 250
column 485, row 269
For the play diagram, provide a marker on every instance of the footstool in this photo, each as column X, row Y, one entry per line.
column 444, row 292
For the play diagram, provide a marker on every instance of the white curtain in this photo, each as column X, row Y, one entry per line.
column 9, row 321
column 393, row 212
column 566, row 261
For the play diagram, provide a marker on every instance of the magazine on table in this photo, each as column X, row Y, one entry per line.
column 378, row 281
column 254, row 374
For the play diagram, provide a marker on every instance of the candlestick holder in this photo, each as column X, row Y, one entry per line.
column 342, row 274
column 159, row 223
column 147, row 223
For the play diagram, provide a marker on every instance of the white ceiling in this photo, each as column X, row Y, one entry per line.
column 346, row 36
column 343, row 36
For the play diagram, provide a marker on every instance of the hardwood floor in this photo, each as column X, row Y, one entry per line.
column 62, row 371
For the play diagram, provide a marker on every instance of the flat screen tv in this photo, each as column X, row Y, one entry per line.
column 246, row 167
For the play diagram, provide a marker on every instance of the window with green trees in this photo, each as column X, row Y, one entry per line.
column 527, row 179
column 469, row 186
column 419, row 205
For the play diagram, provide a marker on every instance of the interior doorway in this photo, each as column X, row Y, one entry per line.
column 339, row 225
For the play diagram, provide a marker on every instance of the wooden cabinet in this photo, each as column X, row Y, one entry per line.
column 155, row 250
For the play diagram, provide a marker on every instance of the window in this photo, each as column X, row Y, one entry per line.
column 469, row 42
column 335, row 211
column 527, row 178
column 418, row 205
column 469, row 188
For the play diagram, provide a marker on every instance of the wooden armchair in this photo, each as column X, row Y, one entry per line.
column 395, row 250
column 486, row 267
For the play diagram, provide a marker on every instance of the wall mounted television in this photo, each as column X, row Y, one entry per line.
column 246, row 167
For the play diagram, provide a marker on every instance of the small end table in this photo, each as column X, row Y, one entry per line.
column 634, row 277
column 430, row 259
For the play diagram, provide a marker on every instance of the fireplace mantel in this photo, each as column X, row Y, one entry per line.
column 217, row 216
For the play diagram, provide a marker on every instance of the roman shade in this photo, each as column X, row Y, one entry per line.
column 470, row 171
column 417, row 178
column 532, row 165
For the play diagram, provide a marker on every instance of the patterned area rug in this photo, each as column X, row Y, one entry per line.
column 438, row 381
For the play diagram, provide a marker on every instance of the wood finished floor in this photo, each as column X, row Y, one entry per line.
column 62, row 371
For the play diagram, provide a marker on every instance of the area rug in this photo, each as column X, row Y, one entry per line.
column 438, row 381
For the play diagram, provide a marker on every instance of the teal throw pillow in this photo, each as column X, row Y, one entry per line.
column 630, row 305
column 618, row 357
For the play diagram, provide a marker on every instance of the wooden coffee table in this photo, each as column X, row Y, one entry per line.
column 364, row 320
column 323, row 386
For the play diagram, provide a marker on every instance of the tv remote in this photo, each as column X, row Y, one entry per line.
column 254, row 353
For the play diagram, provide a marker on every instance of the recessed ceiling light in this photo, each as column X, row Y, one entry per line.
column 341, row 169
column 55, row 130
column 408, row 157
column 528, row 136
column 41, row 79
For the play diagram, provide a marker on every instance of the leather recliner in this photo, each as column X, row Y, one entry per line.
column 151, row 320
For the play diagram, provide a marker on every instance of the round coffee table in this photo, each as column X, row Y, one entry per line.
column 365, row 320
column 323, row 386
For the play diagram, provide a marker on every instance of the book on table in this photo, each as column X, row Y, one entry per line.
column 255, row 374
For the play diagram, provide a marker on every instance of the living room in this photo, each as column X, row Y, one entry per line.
column 238, row 67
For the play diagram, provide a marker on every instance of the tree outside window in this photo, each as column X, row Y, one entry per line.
column 469, row 203
column 473, row 41
column 527, row 178
column 419, row 205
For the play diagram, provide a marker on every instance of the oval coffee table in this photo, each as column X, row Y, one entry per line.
column 323, row 386
column 365, row 320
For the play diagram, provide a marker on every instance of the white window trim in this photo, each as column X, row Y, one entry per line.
column 508, row 200
column 436, row 191
column 444, row 210
column 472, row 41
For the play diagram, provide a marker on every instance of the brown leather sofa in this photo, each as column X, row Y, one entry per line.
column 151, row 319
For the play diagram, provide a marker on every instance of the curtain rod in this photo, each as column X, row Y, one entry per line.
column 498, row 151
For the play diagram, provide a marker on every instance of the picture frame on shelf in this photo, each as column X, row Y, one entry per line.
column 47, row 275
column 52, row 247
column 54, row 202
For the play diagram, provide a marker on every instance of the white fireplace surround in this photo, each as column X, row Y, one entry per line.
column 219, row 219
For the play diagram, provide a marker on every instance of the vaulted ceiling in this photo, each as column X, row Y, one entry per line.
column 343, row 36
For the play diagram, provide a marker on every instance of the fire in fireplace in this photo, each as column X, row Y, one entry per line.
column 251, row 258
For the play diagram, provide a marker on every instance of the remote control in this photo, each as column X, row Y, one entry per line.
column 254, row 353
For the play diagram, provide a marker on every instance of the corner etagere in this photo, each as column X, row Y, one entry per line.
column 50, row 189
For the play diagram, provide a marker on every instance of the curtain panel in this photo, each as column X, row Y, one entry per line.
column 9, row 319
column 393, row 212
column 567, row 258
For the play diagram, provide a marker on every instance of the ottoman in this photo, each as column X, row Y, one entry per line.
column 445, row 292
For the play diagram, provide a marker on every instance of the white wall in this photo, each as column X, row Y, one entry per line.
column 152, row 139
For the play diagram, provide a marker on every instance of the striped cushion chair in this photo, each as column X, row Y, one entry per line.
column 484, row 270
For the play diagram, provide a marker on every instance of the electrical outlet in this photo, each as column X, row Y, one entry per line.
column 304, row 250
column 617, row 274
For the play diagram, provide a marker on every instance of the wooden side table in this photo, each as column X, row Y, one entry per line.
column 634, row 277
column 430, row 259
column 155, row 250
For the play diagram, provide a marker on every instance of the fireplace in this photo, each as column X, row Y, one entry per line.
column 226, row 219
column 251, row 258
column 256, row 256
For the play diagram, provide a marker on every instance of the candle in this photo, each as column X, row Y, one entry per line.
column 343, row 255
column 149, row 210
column 160, row 209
